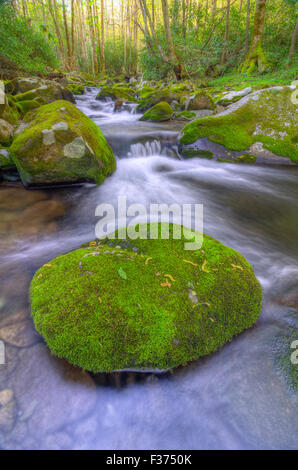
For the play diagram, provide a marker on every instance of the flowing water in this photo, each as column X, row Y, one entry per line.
column 241, row 397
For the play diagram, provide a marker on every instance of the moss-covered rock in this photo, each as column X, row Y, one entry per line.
column 115, row 92
column 143, row 304
column 6, row 132
column 196, row 153
column 50, row 92
column 267, row 116
column 58, row 144
column 28, row 105
column 185, row 116
column 76, row 89
column 6, row 162
column 200, row 100
column 158, row 113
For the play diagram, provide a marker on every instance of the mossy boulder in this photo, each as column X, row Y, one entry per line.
column 267, row 116
column 143, row 304
column 200, row 100
column 58, row 144
column 115, row 92
column 185, row 116
column 76, row 89
column 28, row 105
column 50, row 92
column 6, row 132
column 23, row 84
column 196, row 153
column 158, row 113
column 6, row 162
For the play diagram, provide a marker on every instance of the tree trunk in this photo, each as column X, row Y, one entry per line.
column 227, row 31
column 66, row 35
column 58, row 32
column 247, row 27
column 256, row 56
column 172, row 53
column 293, row 43
column 103, row 60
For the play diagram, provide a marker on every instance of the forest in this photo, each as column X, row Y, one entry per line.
column 148, row 226
column 189, row 39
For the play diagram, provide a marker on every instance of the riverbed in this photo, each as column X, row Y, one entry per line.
column 241, row 397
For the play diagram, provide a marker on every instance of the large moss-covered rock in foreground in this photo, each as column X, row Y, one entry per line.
column 158, row 113
column 268, row 117
column 58, row 144
column 144, row 304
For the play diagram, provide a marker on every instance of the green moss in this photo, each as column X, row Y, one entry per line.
column 42, row 164
column 158, row 113
column 143, row 304
column 6, row 162
column 115, row 92
column 25, row 106
column 76, row 89
column 187, row 115
column 196, row 153
column 268, row 117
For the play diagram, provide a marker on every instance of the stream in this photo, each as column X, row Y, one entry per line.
column 238, row 398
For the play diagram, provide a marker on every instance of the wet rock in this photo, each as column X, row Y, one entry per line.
column 20, row 333
column 61, row 146
column 6, row 132
column 7, row 410
column 50, row 393
column 17, row 199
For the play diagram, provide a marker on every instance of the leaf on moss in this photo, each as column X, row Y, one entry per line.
column 122, row 274
column 237, row 267
column 204, row 267
column 170, row 277
column 166, row 284
column 147, row 261
column 190, row 262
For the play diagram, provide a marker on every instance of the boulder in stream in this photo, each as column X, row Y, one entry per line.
column 58, row 144
column 266, row 117
column 143, row 305
column 159, row 113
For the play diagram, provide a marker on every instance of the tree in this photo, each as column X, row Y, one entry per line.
column 293, row 43
column 223, row 56
column 256, row 57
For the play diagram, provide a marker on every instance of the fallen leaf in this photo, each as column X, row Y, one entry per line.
column 48, row 265
column 147, row 260
column 204, row 267
column 170, row 277
column 190, row 262
column 166, row 284
column 100, row 300
column 237, row 267
column 122, row 274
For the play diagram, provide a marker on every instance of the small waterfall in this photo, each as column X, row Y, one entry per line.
column 145, row 150
column 150, row 149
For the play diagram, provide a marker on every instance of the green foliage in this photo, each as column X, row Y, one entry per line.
column 23, row 44
column 143, row 304
column 199, row 47
column 114, row 55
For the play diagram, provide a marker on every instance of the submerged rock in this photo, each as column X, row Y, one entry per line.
column 160, row 112
column 268, row 117
column 58, row 144
column 126, row 305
